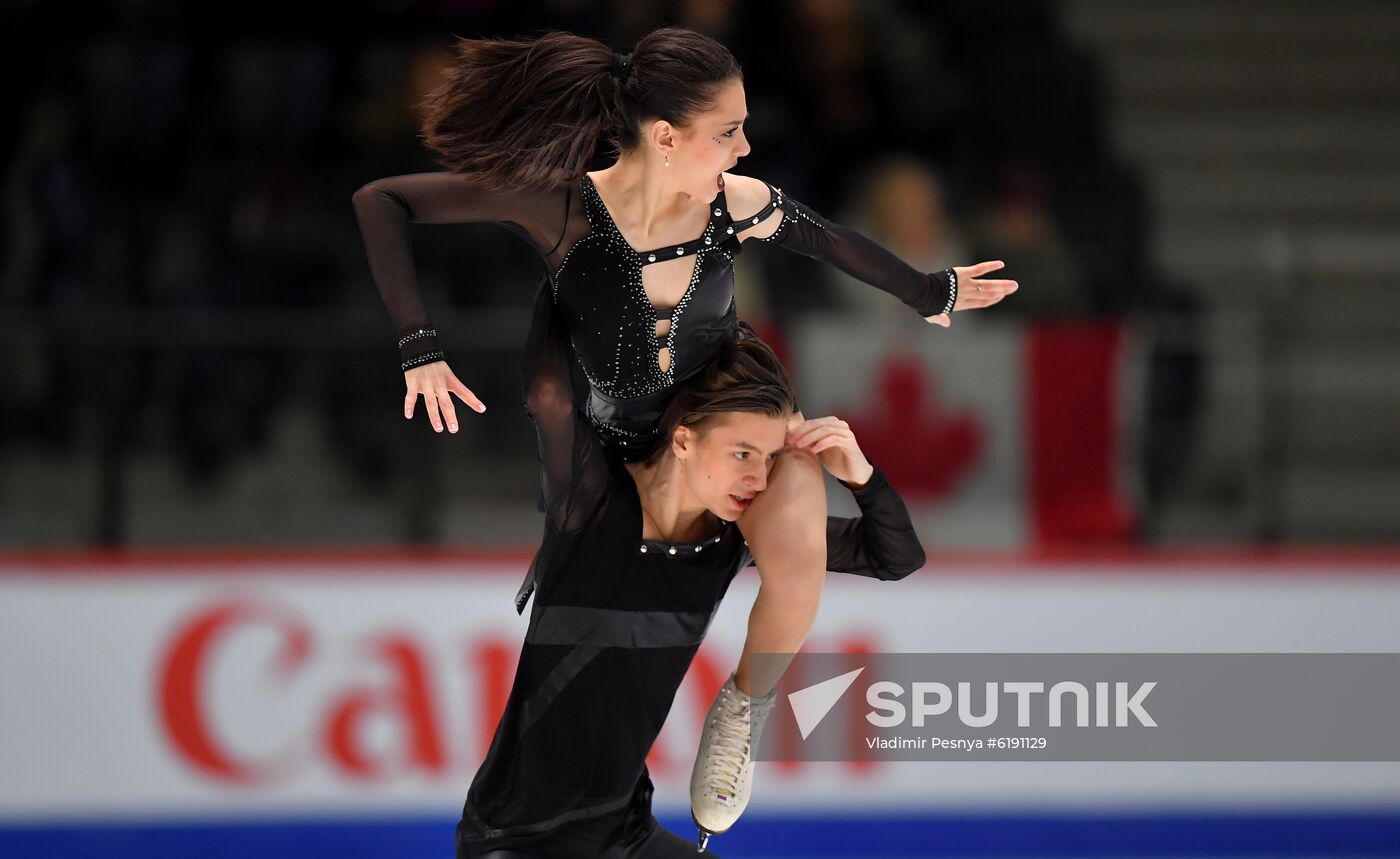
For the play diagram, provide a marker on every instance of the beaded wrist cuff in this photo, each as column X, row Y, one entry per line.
column 416, row 343
column 425, row 358
column 420, row 333
column 952, row 278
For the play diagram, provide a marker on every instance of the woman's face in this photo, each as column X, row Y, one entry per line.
column 711, row 143
column 727, row 460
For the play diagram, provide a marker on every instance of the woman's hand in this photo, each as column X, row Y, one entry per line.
column 835, row 445
column 974, row 293
column 437, row 384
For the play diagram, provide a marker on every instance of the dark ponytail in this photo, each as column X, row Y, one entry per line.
column 528, row 115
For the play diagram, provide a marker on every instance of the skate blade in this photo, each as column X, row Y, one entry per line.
column 702, row 835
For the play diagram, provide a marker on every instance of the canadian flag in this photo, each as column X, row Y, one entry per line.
column 1002, row 434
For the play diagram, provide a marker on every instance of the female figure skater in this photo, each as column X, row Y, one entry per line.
column 635, row 559
column 639, row 259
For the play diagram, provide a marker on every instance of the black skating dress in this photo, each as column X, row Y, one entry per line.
column 615, row 624
column 595, row 278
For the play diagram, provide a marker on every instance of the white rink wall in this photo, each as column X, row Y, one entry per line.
column 272, row 687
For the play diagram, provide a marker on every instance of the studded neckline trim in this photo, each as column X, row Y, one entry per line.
column 666, row 548
column 719, row 214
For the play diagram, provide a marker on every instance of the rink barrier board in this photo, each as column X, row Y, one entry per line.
column 1263, row 830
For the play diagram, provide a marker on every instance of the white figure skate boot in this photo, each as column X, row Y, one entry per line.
column 722, row 778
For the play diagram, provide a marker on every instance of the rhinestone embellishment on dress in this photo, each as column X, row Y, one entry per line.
column 644, row 363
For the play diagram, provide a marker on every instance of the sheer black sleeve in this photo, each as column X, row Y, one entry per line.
column 881, row 542
column 804, row 231
column 385, row 208
column 574, row 472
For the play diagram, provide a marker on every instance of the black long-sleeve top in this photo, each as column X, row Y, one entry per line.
column 616, row 621
column 595, row 277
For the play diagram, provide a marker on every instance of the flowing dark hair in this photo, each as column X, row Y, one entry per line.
column 529, row 114
column 746, row 376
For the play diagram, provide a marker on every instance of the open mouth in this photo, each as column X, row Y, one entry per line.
column 740, row 501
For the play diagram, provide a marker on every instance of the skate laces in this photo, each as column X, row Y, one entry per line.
column 729, row 745
column 730, row 738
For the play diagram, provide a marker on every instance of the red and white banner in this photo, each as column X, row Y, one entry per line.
column 304, row 684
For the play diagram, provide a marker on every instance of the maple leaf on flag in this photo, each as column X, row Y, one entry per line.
column 925, row 449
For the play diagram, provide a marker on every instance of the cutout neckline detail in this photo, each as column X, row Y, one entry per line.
column 719, row 214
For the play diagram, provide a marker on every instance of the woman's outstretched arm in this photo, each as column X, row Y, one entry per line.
column 385, row 208
column 790, row 224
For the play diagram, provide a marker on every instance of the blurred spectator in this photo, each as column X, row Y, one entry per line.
column 1015, row 227
column 901, row 204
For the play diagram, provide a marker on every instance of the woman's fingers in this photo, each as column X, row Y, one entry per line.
column 438, row 406
column 989, row 289
column 437, row 384
column 984, row 293
column 465, row 394
column 975, row 301
column 430, row 404
column 449, row 411
column 974, row 293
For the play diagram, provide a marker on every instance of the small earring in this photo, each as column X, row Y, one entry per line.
column 668, row 161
